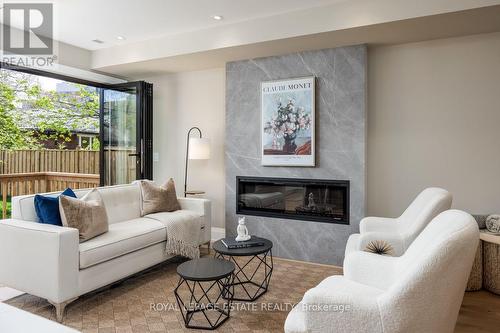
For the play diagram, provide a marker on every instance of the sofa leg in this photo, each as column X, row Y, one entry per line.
column 60, row 307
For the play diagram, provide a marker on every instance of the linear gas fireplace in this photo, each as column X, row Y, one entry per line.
column 290, row 198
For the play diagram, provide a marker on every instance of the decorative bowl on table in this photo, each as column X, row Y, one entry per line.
column 493, row 223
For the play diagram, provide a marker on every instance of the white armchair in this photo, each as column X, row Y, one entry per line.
column 421, row 291
column 400, row 232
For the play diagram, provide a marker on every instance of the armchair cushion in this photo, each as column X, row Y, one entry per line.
column 47, row 207
column 395, row 240
column 359, row 242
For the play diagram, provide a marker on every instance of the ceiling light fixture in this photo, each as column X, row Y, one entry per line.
column 217, row 17
column 120, row 37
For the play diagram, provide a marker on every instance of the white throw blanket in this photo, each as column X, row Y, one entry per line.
column 183, row 234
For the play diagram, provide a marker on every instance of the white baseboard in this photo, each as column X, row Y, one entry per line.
column 218, row 233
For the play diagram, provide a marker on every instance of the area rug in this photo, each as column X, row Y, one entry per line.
column 146, row 302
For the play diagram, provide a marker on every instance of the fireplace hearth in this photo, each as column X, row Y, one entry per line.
column 316, row 200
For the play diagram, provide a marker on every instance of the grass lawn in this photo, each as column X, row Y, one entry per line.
column 9, row 207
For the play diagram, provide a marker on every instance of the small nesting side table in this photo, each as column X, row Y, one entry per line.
column 253, row 274
column 199, row 293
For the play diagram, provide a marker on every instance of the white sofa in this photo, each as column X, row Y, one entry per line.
column 14, row 320
column 48, row 261
column 419, row 292
column 401, row 231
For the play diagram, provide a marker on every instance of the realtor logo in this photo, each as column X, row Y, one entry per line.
column 28, row 28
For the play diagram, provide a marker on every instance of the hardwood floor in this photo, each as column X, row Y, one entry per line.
column 126, row 307
column 480, row 313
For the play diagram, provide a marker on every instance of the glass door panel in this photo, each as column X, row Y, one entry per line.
column 121, row 149
column 126, row 133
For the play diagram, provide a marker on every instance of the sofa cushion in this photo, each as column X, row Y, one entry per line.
column 158, row 198
column 121, row 238
column 87, row 214
column 123, row 202
column 47, row 207
column 23, row 206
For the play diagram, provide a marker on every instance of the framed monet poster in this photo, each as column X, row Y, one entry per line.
column 288, row 122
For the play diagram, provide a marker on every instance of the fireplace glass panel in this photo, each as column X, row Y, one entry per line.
column 303, row 199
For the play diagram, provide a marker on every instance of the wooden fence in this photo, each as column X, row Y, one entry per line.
column 39, row 182
column 38, row 171
column 69, row 161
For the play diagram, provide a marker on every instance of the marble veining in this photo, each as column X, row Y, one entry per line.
column 340, row 144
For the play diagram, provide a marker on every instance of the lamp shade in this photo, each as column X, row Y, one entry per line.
column 199, row 149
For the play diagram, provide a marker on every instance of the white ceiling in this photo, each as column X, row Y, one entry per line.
column 78, row 22
column 165, row 36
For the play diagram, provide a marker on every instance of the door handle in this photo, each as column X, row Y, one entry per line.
column 136, row 154
column 141, row 156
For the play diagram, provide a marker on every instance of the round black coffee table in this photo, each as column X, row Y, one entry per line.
column 202, row 284
column 253, row 274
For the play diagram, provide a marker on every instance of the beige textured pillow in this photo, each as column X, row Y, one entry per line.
column 158, row 198
column 87, row 214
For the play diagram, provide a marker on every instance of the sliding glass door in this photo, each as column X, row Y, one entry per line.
column 126, row 132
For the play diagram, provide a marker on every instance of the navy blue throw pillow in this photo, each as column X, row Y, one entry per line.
column 47, row 207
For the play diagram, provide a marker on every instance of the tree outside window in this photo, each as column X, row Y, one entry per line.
column 33, row 115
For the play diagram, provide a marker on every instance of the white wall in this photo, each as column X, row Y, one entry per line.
column 434, row 120
column 73, row 56
column 181, row 101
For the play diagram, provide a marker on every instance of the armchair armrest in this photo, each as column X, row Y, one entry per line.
column 343, row 306
column 370, row 269
column 383, row 224
column 40, row 259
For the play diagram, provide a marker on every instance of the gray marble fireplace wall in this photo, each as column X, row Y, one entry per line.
column 340, row 144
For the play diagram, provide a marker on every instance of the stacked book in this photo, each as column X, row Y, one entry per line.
column 230, row 243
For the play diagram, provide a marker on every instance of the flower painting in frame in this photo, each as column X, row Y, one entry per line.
column 288, row 122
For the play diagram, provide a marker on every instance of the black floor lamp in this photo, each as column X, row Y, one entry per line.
column 196, row 149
